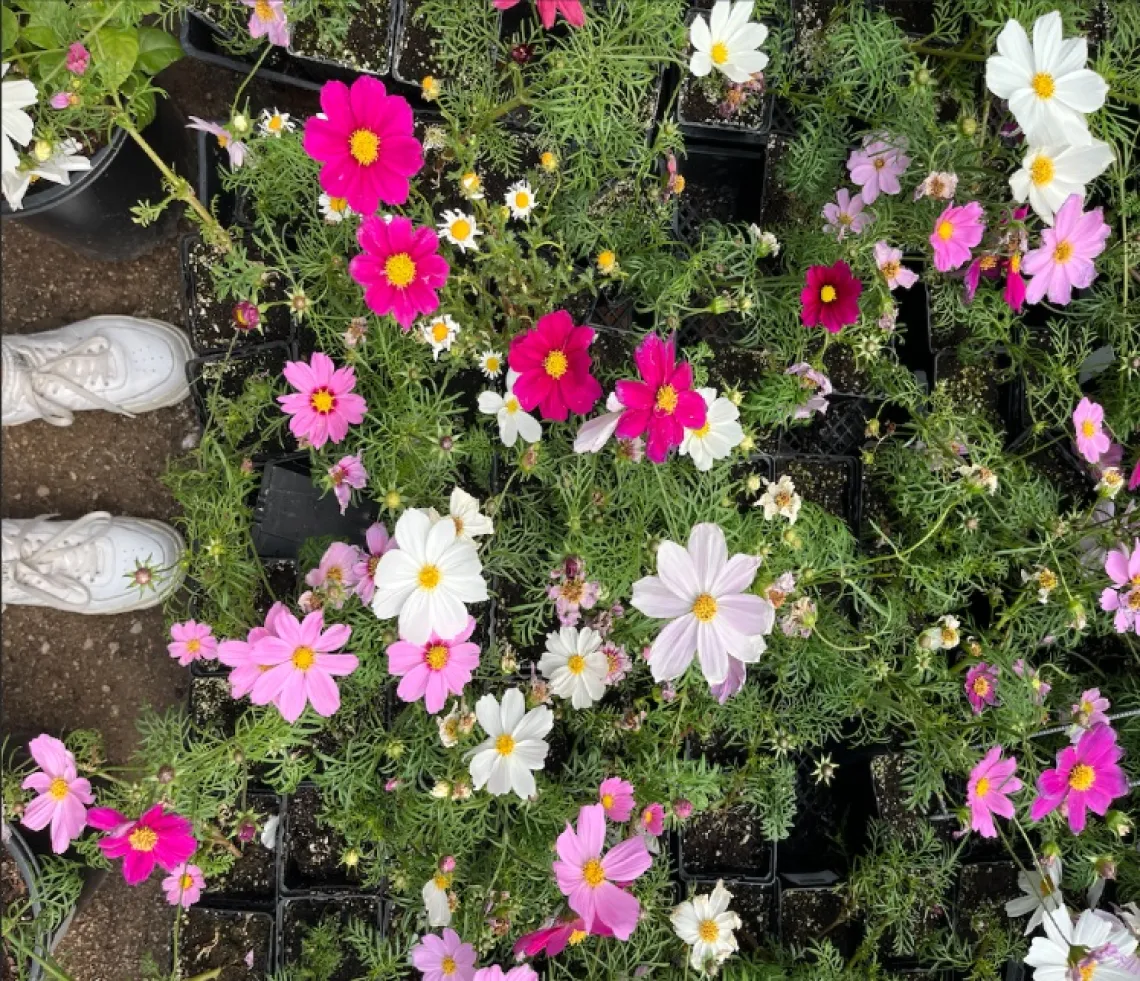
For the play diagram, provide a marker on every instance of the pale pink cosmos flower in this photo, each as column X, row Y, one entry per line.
column 235, row 149
column 347, row 474
column 938, row 184
column 63, row 794
column 987, row 793
column 876, row 168
column 63, row 100
column 616, row 797
column 1065, row 257
column 435, row 669
column 184, row 885
column 445, row 958
column 889, row 261
column 302, row 665
column 268, row 18
column 1033, row 676
column 1088, row 420
column 1088, row 777
column 238, row 654
column 523, row 972
column 1091, row 711
column 1123, row 597
column 324, row 405
column 956, row 232
column 590, row 880
column 378, row 541
column 818, row 387
column 845, row 214
column 335, row 575
column 704, row 595
column 651, row 820
column 192, row 641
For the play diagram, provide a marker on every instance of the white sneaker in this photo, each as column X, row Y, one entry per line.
column 96, row 564
column 121, row 364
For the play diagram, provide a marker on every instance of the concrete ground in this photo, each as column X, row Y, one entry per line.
column 64, row 671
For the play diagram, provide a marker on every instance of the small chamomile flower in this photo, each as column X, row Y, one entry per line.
column 491, row 363
column 460, row 229
column 472, row 186
column 430, row 88
column 275, row 123
column 334, row 209
column 549, row 161
column 607, row 262
column 520, row 200
column 440, row 333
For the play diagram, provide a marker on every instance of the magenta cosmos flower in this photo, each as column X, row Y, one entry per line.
column 552, row 939
column 268, row 19
column 616, row 797
column 522, row 972
column 435, row 669
column 845, row 214
column 589, row 879
column 445, row 958
column 63, row 794
column 1088, row 420
column 192, row 641
column 987, row 793
column 830, row 297
column 956, row 232
column 156, row 838
column 981, row 686
column 554, row 367
column 1123, row 597
column 889, row 261
column 704, row 594
column 1087, row 778
column 1065, row 257
column 401, row 268
column 346, row 475
column 877, row 167
column 547, row 9
column 663, row 402
column 78, row 58
column 378, row 541
column 183, row 887
column 302, row 665
column 324, row 405
column 651, row 820
column 365, row 144
column 239, row 654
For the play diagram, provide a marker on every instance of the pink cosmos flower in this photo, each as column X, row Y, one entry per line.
column 663, row 403
column 1033, row 676
column 235, row 149
column 956, row 232
column 1065, row 257
column 733, row 682
column 553, row 938
column 156, row 838
column 1087, row 778
column 682, row 809
column 324, row 405
column 365, row 143
column 445, row 958
column 239, row 654
column 818, row 388
column 830, row 297
column 378, row 541
column 63, row 100
column 547, row 9
column 522, row 972
column 347, row 474
column 589, row 879
column 845, row 214
column 302, row 665
column 651, row 820
column 1090, row 711
column 184, row 885
column 1014, row 292
column 987, row 793
column 988, row 265
column 889, row 261
column 616, row 797
column 268, row 18
column 1123, row 598
column 400, row 269
column 335, row 574
column 877, row 167
column 192, row 641
column 981, row 686
column 78, row 58
column 1088, row 420
column 63, row 794
column 554, row 367
column 435, row 669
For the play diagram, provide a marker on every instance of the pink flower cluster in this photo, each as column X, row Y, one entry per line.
column 617, row 800
column 571, row 591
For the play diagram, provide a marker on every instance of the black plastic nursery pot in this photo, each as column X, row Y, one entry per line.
column 810, row 914
column 238, row 944
column 298, row 914
column 251, row 882
column 311, row 852
column 756, row 905
column 367, row 46
column 887, row 773
column 412, row 50
column 722, row 184
column 92, row 214
column 1051, row 456
column 983, row 890
column 976, row 388
column 834, row 483
column 229, row 372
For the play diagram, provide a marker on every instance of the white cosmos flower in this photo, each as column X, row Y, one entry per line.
column 593, row 435
column 520, row 199
column 470, row 523
column 58, row 168
column 513, row 422
column 706, row 924
column 437, row 902
column 334, row 209
column 1046, row 83
column 780, row 498
column 275, row 123
column 428, row 579
column 491, row 363
column 727, row 41
column 1097, row 944
column 717, row 437
column 1042, row 895
column 515, row 744
column 574, row 664
column 459, row 229
column 440, row 333
column 1049, row 174
column 15, row 124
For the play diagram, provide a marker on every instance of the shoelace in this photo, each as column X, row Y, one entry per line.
column 87, row 361
column 48, row 571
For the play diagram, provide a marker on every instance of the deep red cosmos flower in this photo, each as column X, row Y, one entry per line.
column 554, row 367
column 663, row 402
column 831, row 297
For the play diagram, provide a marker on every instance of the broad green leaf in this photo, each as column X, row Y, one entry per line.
column 9, row 29
column 40, row 36
column 115, row 50
column 157, row 49
column 52, row 24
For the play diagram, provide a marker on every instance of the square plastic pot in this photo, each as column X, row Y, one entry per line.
column 835, row 483
column 310, row 852
column 234, row 370
column 811, row 914
column 1003, row 403
column 722, row 184
column 202, row 40
column 295, row 913
column 221, row 939
column 251, row 883
column 755, row 904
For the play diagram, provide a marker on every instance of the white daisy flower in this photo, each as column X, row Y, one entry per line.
column 780, row 498
column 728, row 41
column 491, row 363
column 459, row 229
column 440, row 333
column 1042, row 895
column 1049, row 174
column 15, row 125
column 717, row 437
column 1097, row 945
column 275, row 123
column 437, row 901
column 471, row 184
column 706, row 924
column 334, row 209
column 515, row 744
column 470, row 523
column 575, row 666
column 513, row 422
column 520, row 199
column 58, row 168
column 449, row 728
column 427, row 581
column 1046, row 83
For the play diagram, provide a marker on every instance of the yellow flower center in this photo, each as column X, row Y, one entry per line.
column 447, row 965
column 437, row 657
column 193, row 645
column 708, row 931
column 439, row 331
column 678, row 183
column 845, row 218
column 719, row 53
column 891, row 268
column 143, row 839
column 704, row 607
column 1063, row 252
column 783, row 498
column 949, row 636
column 492, row 365
column 607, row 801
column 58, row 789
column 274, row 124
column 1082, row 777
column 593, row 873
column 982, row 787
column 703, row 431
column 505, row 744
column 400, row 269
column 322, row 401
column 186, row 882
column 522, row 200
column 880, row 163
column 576, row 937
column 1044, row 85
column 1041, row 171
column 576, row 664
column 511, row 405
column 1047, row 887
column 945, row 230
column 556, row 364
column 471, row 181
column 987, row 262
column 606, row 260
column 364, row 145
column 461, row 229
column 548, row 160
column 303, row 658
column 392, row 500
column 263, row 10
column 338, row 204
column 1015, row 263
column 429, row 577
column 666, row 398
column 223, row 140
column 1047, row 579
column 441, row 881
column 1087, row 971
column 828, row 294
column 1134, row 600
column 981, row 686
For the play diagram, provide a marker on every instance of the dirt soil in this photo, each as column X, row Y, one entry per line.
column 64, row 671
